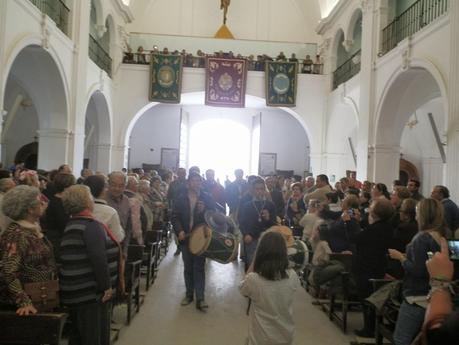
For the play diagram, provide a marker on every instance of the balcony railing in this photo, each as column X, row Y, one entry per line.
column 189, row 60
column 347, row 70
column 417, row 16
column 57, row 11
column 100, row 57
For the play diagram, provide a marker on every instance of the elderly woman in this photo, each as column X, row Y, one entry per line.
column 26, row 255
column 144, row 193
column 157, row 199
column 29, row 178
column 295, row 205
column 84, row 276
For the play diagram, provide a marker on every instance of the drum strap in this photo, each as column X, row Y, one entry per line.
column 248, row 306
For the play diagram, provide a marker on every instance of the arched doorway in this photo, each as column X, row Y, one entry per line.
column 404, row 111
column 174, row 123
column 97, row 133
column 28, row 154
column 36, row 104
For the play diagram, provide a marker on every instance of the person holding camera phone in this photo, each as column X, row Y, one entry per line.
column 440, row 322
column 431, row 221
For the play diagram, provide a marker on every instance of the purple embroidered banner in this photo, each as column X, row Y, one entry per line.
column 226, row 82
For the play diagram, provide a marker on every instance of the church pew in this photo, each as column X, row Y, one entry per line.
column 132, row 278
column 336, row 314
column 42, row 328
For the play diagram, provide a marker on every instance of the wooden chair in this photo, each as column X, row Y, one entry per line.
column 132, row 277
column 383, row 328
column 40, row 328
column 159, row 241
column 340, row 316
column 151, row 256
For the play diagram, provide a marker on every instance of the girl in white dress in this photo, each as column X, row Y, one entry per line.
column 270, row 285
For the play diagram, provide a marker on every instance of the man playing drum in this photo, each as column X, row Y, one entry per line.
column 188, row 211
column 257, row 215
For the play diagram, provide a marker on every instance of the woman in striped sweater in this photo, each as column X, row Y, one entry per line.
column 84, row 276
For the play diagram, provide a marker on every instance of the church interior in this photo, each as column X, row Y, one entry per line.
column 343, row 110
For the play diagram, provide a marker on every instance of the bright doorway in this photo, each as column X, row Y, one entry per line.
column 222, row 145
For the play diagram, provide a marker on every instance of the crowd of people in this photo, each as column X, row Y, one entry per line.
column 54, row 226
column 307, row 65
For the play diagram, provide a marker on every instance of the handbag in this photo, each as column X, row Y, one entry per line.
column 44, row 295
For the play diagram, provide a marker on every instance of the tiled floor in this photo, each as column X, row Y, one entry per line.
column 162, row 321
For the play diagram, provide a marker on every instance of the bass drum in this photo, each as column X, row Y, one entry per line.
column 213, row 245
column 298, row 255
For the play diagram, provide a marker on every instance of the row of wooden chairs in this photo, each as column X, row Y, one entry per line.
column 144, row 260
column 47, row 328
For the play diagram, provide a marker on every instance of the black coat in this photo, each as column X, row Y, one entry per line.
column 180, row 217
column 371, row 249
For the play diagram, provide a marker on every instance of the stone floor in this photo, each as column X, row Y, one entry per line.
column 162, row 321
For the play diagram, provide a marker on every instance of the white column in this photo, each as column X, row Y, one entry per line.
column 52, row 145
column 452, row 148
column 432, row 174
column 317, row 163
column 387, row 163
column 103, row 153
column 119, row 157
column 367, row 82
column 78, row 83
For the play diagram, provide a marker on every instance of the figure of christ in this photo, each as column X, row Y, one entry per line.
column 224, row 4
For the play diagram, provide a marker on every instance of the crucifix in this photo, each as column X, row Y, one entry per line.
column 224, row 4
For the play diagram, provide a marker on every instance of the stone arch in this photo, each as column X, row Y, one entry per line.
column 338, row 49
column 406, row 91
column 98, row 131
column 350, row 31
column 40, row 74
column 393, row 114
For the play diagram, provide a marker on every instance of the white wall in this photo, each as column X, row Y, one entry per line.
column 22, row 131
column 159, row 127
column 268, row 20
column 418, row 144
column 282, row 134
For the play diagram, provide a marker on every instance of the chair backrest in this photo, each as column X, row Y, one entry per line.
column 151, row 236
column 345, row 259
column 41, row 328
column 135, row 252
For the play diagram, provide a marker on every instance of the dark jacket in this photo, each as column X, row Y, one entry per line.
column 234, row 192
column 250, row 223
column 403, row 235
column 371, row 246
column 451, row 214
column 416, row 280
column 278, row 201
column 341, row 233
column 181, row 212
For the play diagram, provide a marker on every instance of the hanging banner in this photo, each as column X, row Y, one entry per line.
column 226, row 82
column 166, row 78
column 281, row 83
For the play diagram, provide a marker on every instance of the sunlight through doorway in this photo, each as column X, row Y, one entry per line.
column 222, row 145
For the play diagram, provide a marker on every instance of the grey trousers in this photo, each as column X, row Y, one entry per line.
column 194, row 273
